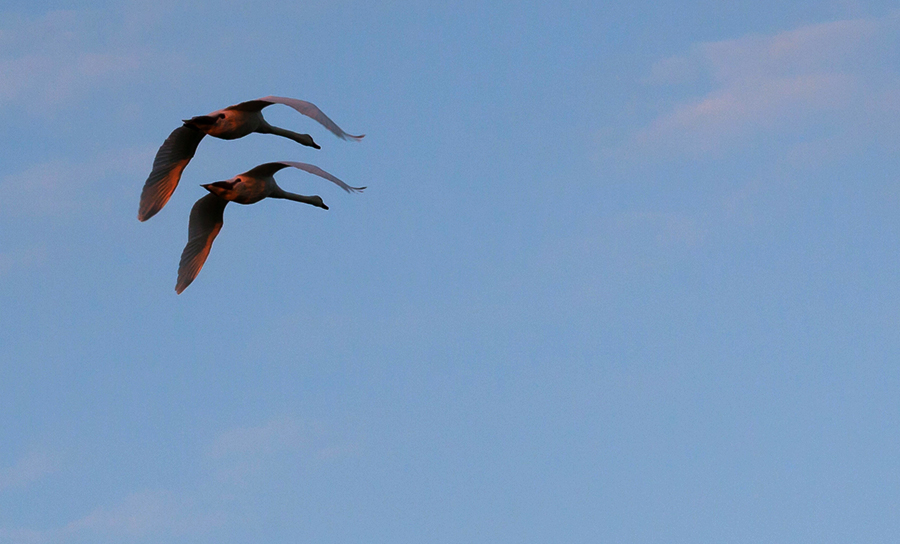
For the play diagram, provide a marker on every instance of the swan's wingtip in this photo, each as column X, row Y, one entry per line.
column 147, row 209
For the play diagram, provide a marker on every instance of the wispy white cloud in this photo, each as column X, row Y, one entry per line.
column 61, row 56
column 62, row 186
column 235, row 459
column 262, row 439
column 244, row 454
column 23, row 536
column 760, row 86
column 139, row 515
column 43, row 81
column 28, row 468
column 149, row 512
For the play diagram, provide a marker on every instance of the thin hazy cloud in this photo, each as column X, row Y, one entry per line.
column 782, row 84
column 263, row 439
column 23, row 536
column 29, row 468
column 237, row 460
column 246, row 454
column 60, row 186
column 48, row 61
column 147, row 514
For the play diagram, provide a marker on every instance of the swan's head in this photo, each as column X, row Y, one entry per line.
column 222, row 189
column 316, row 200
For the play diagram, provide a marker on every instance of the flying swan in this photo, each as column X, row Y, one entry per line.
column 228, row 124
column 247, row 188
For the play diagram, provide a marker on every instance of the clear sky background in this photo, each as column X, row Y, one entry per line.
column 625, row 272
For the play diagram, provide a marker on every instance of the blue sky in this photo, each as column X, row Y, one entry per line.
column 623, row 273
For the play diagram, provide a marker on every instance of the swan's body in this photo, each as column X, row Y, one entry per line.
column 207, row 215
column 228, row 124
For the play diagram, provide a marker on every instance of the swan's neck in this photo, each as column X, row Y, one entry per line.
column 278, row 192
column 304, row 139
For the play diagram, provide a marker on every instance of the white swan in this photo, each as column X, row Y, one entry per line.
column 247, row 188
column 228, row 124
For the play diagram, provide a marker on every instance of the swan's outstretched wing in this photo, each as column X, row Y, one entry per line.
column 205, row 224
column 306, row 108
column 173, row 155
column 271, row 167
column 265, row 170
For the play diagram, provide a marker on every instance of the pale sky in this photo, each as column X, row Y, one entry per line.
column 623, row 272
